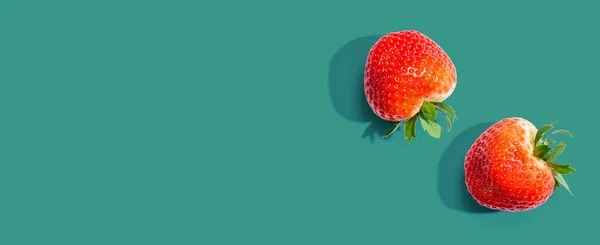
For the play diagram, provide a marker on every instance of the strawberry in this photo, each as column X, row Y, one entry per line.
column 407, row 77
column 511, row 166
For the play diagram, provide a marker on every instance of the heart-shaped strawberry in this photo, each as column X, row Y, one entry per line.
column 512, row 165
column 407, row 78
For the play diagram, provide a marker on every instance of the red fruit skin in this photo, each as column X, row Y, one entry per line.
column 404, row 69
column 501, row 171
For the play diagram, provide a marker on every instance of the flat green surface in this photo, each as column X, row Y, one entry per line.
column 244, row 122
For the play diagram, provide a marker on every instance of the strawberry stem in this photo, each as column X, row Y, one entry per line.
column 544, row 150
column 428, row 119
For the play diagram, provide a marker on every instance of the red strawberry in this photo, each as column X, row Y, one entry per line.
column 511, row 166
column 407, row 77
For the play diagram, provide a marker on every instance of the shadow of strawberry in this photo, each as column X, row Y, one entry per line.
column 346, row 86
column 451, row 178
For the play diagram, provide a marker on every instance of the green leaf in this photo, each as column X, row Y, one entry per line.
column 556, row 184
column 429, row 111
column 410, row 129
column 389, row 133
column 561, row 168
column 446, row 109
column 541, row 151
column 558, row 178
column 555, row 152
column 548, row 142
column 448, row 120
column 562, row 131
column 540, row 133
column 431, row 127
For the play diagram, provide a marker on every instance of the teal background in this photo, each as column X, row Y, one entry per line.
column 244, row 122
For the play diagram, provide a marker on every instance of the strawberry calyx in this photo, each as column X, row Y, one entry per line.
column 545, row 150
column 427, row 116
